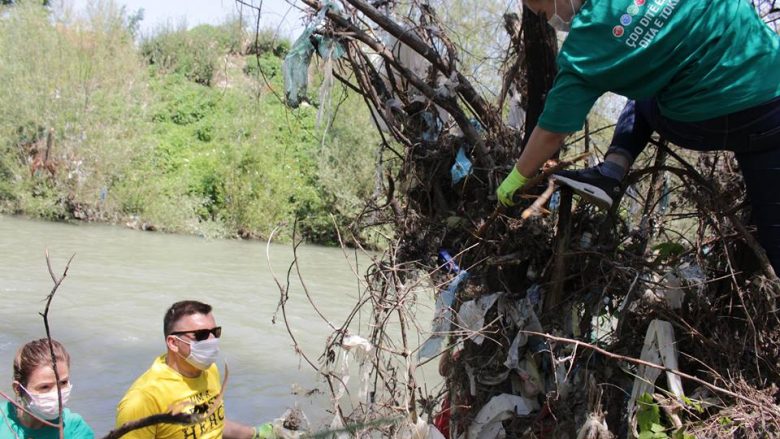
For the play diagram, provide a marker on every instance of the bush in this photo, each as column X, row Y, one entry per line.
column 155, row 145
column 267, row 42
column 189, row 53
column 85, row 82
column 267, row 65
column 227, row 38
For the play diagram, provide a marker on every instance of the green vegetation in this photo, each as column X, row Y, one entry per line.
column 184, row 132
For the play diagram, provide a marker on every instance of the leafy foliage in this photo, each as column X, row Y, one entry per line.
column 161, row 136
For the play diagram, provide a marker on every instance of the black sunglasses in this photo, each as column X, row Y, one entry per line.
column 201, row 334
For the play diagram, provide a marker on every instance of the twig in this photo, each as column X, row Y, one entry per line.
column 532, row 182
column 18, row 406
column 536, row 207
column 174, row 414
column 284, row 294
column 162, row 418
column 606, row 353
column 57, row 282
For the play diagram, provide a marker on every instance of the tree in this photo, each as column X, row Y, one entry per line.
column 580, row 271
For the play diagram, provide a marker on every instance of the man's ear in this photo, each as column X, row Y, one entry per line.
column 170, row 341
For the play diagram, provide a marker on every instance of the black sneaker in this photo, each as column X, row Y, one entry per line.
column 590, row 184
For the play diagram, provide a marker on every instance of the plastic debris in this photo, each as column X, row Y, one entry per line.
column 433, row 127
column 586, row 240
column 693, row 276
column 531, row 383
column 555, row 201
column 295, row 68
column 520, row 313
column 329, row 48
column 293, row 424
column 462, row 166
column 487, row 424
column 516, row 117
column 446, row 87
column 471, row 316
column 659, row 348
column 352, row 341
column 492, row 377
column 595, row 427
column 448, row 261
column 534, row 293
column 442, row 318
column 419, row 430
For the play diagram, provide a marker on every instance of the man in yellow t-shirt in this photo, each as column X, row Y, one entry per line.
column 183, row 378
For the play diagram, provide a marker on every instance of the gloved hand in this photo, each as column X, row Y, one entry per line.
column 275, row 430
column 264, row 431
column 509, row 186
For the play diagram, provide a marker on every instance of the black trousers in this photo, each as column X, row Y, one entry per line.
column 752, row 134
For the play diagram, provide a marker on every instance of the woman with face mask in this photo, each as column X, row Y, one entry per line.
column 38, row 402
column 704, row 74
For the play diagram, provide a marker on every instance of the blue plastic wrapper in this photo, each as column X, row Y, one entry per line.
column 433, row 127
column 442, row 319
column 555, row 201
column 461, row 168
column 448, row 262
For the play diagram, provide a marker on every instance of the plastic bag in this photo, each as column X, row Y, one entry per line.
column 462, row 166
column 295, row 67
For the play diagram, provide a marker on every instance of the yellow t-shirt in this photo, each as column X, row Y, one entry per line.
column 158, row 389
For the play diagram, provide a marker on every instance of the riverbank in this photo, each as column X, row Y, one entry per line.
column 184, row 132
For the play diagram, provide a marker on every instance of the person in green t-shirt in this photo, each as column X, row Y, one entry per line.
column 703, row 74
column 35, row 385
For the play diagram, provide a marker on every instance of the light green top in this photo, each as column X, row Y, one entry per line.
column 699, row 58
column 11, row 428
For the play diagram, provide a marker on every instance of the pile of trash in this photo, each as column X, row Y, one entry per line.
column 553, row 319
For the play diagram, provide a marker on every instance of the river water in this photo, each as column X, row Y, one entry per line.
column 108, row 311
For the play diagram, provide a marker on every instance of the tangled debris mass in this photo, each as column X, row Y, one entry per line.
column 554, row 319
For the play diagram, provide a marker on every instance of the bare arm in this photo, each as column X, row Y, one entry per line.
column 234, row 430
column 541, row 146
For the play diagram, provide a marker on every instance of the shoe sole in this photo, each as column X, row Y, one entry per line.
column 593, row 193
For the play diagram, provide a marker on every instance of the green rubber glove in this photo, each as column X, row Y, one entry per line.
column 511, row 183
column 264, row 431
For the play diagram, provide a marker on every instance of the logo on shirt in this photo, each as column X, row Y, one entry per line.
column 618, row 31
column 649, row 24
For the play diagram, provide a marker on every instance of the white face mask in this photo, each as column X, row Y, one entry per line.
column 202, row 353
column 559, row 23
column 46, row 405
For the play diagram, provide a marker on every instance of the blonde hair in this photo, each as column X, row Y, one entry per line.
column 36, row 354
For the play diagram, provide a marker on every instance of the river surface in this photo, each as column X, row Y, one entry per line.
column 108, row 312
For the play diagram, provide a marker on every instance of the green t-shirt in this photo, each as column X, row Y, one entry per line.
column 699, row 58
column 11, row 428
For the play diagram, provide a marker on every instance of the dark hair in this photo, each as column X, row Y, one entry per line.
column 181, row 309
column 36, row 354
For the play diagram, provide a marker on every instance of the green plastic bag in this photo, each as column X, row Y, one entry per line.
column 295, row 67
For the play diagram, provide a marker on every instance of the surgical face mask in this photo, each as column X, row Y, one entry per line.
column 46, row 405
column 559, row 23
column 202, row 353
